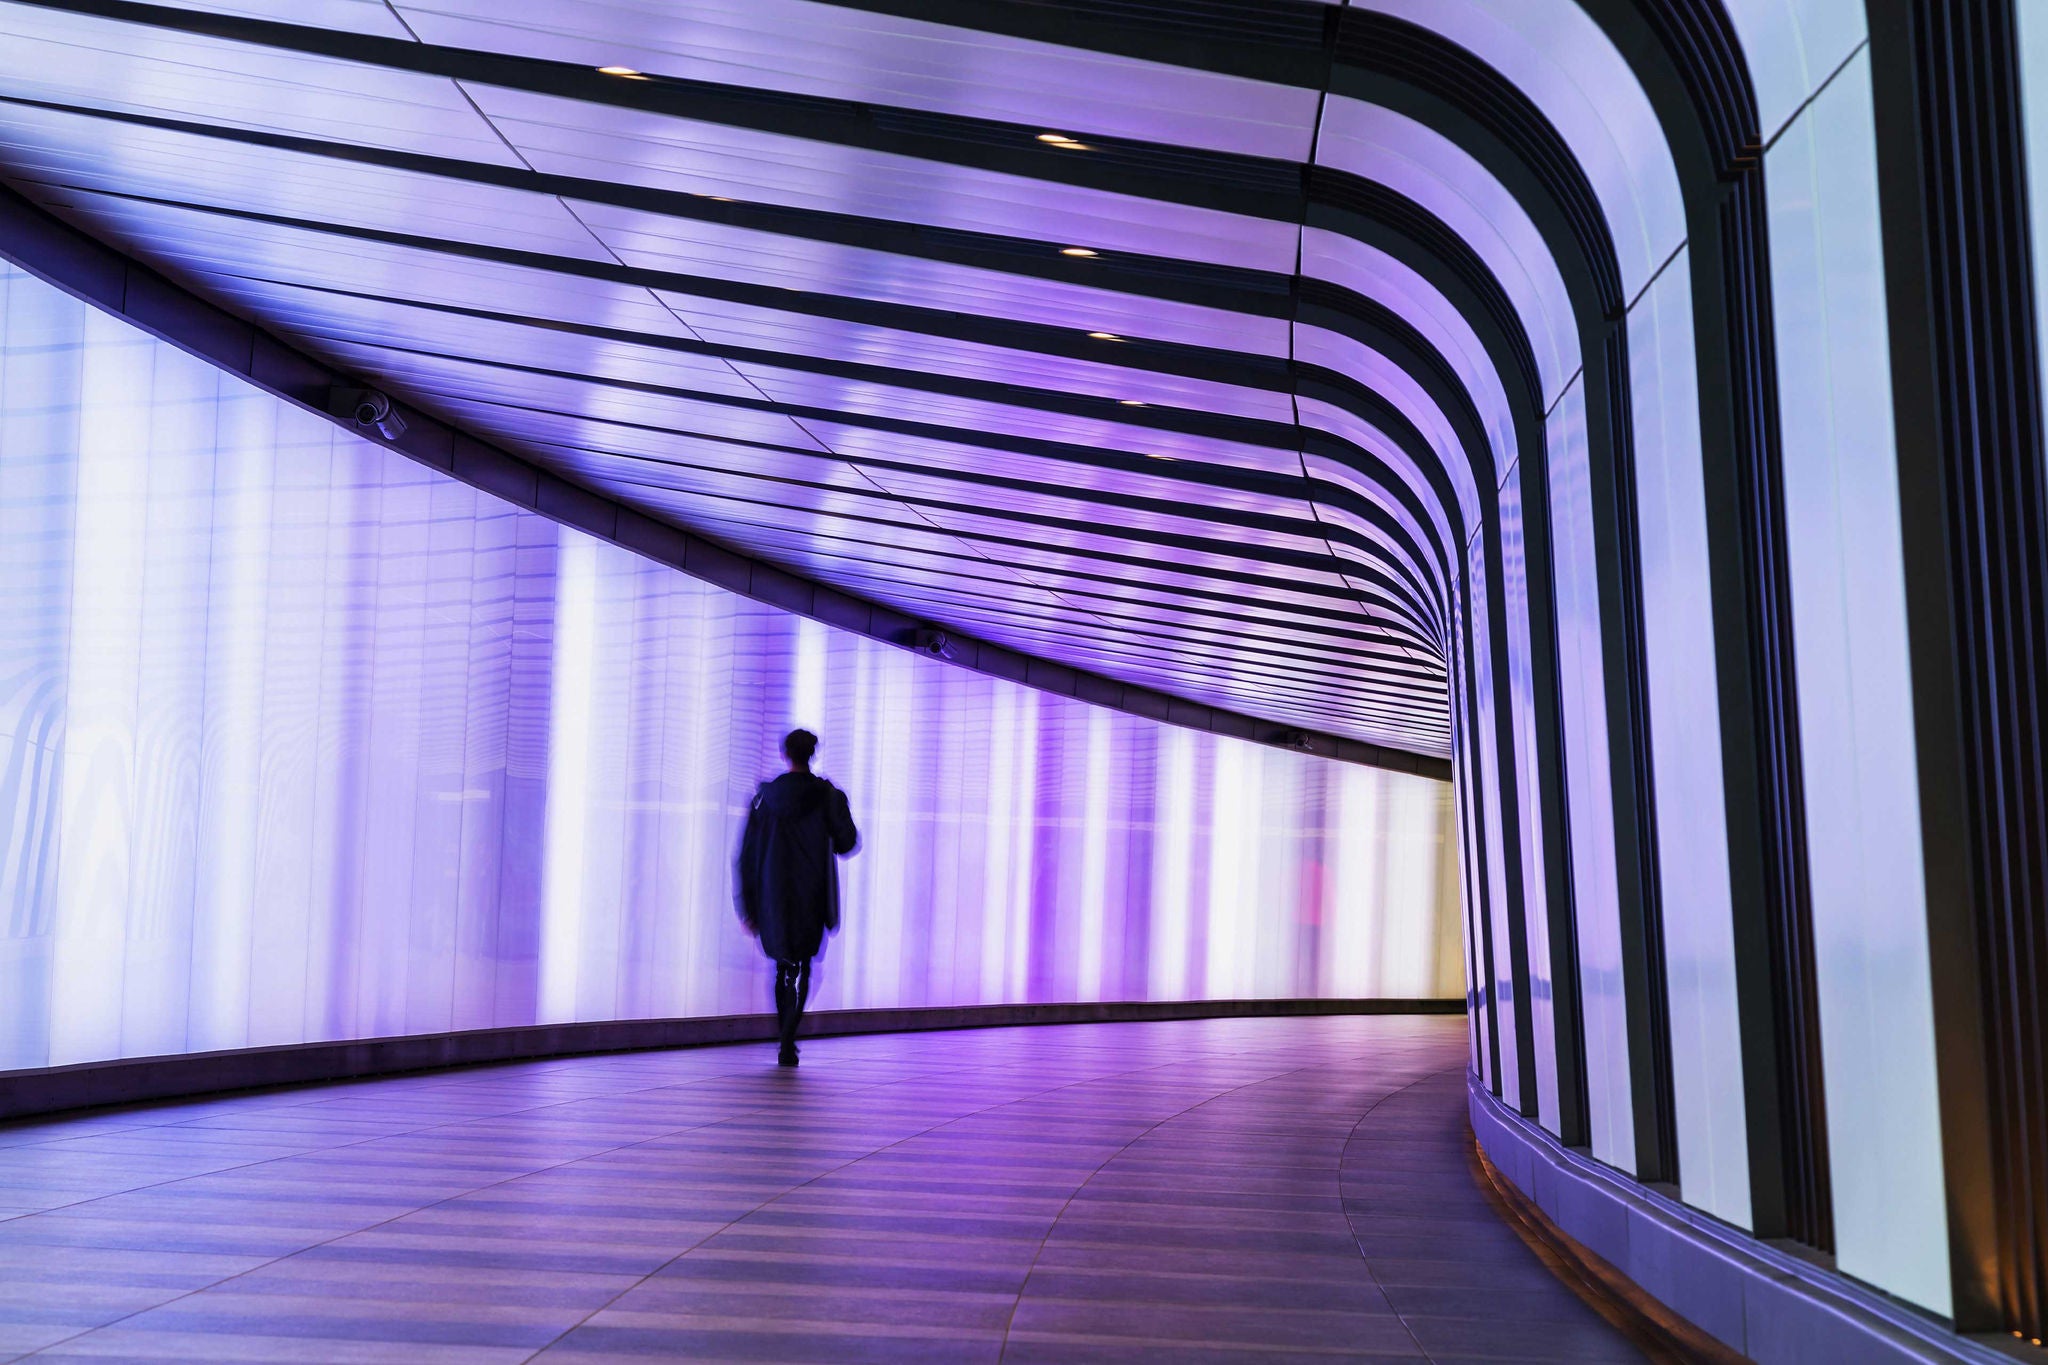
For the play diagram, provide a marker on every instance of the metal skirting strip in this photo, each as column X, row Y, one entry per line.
column 136, row 1080
column 1749, row 1295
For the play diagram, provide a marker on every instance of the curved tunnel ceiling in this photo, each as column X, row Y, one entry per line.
column 1186, row 343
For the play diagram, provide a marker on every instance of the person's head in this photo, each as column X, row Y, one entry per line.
column 797, row 747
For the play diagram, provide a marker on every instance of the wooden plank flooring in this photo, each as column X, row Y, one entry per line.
column 1208, row 1191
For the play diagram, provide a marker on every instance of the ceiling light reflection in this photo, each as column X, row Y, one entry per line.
column 1105, row 336
column 628, row 72
column 1076, row 251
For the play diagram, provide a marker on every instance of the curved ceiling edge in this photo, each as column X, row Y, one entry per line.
column 53, row 251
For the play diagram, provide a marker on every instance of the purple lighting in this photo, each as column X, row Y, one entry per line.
column 305, row 741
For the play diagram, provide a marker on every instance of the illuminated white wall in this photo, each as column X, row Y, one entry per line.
column 1685, row 743
column 1528, row 830
column 305, row 741
column 1847, row 569
column 1589, row 788
column 1493, row 834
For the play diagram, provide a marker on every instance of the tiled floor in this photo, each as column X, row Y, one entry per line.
column 1217, row 1190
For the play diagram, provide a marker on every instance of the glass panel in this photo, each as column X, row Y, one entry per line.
column 1855, row 698
column 304, row 741
column 1528, row 831
column 1485, row 743
column 1792, row 47
column 1479, row 982
column 1589, row 790
column 1685, row 738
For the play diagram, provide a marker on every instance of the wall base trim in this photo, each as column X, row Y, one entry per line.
column 134, row 1080
column 1754, row 1298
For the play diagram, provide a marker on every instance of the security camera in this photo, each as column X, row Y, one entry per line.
column 368, row 408
column 934, row 643
column 1295, row 740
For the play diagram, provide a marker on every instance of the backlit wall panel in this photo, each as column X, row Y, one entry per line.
column 1685, row 741
column 1493, row 833
column 1478, row 971
column 1862, row 786
column 305, row 741
column 1793, row 47
column 1589, row 787
column 1528, row 831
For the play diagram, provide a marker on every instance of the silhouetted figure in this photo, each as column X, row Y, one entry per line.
column 789, row 880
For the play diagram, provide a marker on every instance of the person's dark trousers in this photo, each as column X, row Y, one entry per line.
column 792, row 989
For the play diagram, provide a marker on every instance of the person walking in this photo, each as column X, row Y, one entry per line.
column 797, row 828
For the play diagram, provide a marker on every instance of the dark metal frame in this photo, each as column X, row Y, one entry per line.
column 1967, row 396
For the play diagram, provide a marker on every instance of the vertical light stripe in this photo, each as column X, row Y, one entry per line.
column 1847, row 569
column 104, row 680
column 1233, row 861
column 1095, row 836
column 807, row 691
column 1685, row 735
column 224, row 979
column 569, row 749
column 1589, row 793
column 1173, row 849
column 1024, row 908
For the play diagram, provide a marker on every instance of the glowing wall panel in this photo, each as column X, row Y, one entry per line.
column 1528, row 830
column 1848, row 579
column 1685, row 739
column 1478, row 974
column 1501, row 901
column 305, row 741
column 1793, row 47
column 1589, row 787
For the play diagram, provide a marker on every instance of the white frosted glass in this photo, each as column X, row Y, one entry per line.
column 1478, row 977
column 1528, row 828
column 1492, row 825
column 1792, row 46
column 39, row 392
column 302, row 740
column 1685, row 739
column 1855, row 699
column 1589, row 789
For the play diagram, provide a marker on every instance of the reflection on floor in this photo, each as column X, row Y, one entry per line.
column 1217, row 1190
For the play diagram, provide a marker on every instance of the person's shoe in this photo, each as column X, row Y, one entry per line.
column 786, row 1057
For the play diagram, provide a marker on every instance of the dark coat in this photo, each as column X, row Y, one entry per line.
column 788, row 877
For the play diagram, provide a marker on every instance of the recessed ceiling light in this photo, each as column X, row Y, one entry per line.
column 1151, row 455
column 1105, row 336
column 628, row 72
column 1076, row 251
column 1130, row 402
column 1056, row 139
